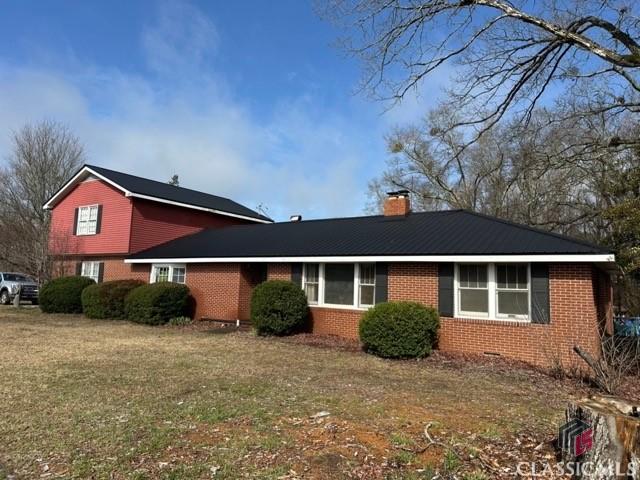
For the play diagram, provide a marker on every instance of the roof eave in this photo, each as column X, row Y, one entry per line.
column 64, row 190
column 600, row 258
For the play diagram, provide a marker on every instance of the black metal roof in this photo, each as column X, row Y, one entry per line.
column 152, row 188
column 453, row 232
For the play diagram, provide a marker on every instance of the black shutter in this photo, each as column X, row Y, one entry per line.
column 100, row 272
column 445, row 289
column 540, row 311
column 381, row 282
column 296, row 273
column 99, row 219
column 78, row 268
column 75, row 221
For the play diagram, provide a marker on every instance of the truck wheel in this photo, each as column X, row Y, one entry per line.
column 5, row 298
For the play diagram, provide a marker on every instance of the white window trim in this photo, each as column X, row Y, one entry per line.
column 170, row 266
column 359, row 284
column 89, row 207
column 85, row 267
column 304, row 283
column 355, row 305
column 493, row 296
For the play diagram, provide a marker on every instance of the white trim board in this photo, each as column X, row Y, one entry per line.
column 543, row 258
column 71, row 183
column 195, row 207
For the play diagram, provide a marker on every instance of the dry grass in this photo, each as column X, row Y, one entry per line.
column 100, row 399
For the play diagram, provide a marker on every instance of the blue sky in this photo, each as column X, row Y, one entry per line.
column 243, row 99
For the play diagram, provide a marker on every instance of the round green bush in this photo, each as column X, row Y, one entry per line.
column 157, row 303
column 63, row 295
column 278, row 307
column 106, row 300
column 91, row 305
column 399, row 330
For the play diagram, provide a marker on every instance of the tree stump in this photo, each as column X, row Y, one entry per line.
column 16, row 299
column 607, row 443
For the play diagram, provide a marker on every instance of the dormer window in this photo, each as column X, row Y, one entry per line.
column 88, row 220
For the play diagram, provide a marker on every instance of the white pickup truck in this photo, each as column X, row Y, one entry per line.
column 11, row 283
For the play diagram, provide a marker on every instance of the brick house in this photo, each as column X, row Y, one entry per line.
column 501, row 288
column 100, row 217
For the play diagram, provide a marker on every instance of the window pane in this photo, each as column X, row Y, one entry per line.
column 502, row 276
column 367, row 274
column 162, row 274
column 522, row 276
column 482, row 276
column 512, row 276
column 338, row 287
column 474, row 300
column 473, row 276
column 311, row 290
column 367, row 294
column 311, row 272
column 464, row 275
column 513, row 303
column 178, row 275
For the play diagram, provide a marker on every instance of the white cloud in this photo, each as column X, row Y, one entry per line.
column 182, row 38
column 301, row 158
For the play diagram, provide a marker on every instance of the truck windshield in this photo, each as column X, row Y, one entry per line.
column 14, row 277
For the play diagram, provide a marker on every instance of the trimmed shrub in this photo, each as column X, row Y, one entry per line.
column 106, row 300
column 399, row 330
column 63, row 295
column 278, row 307
column 157, row 303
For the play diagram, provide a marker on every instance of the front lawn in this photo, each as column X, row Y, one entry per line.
column 111, row 399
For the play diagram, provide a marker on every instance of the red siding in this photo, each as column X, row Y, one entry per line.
column 116, row 221
column 128, row 225
column 155, row 223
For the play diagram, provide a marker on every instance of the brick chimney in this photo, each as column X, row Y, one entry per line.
column 397, row 203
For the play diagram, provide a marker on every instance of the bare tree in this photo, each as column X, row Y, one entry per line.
column 44, row 156
column 509, row 57
column 533, row 174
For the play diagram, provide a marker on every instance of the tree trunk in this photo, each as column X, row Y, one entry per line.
column 607, row 444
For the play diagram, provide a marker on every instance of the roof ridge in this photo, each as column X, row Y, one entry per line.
column 366, row 216
column 534, row 229
column 185, row 191
column 158, row 181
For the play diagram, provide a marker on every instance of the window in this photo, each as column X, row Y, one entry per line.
column 178, row 274
column 87, row 220
column 473, row 289
column 91, row 270
column 312, row 282
column 340, row 284
column 512, row 290
column 168, row 273
column 497, row 291
column 367, row 285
